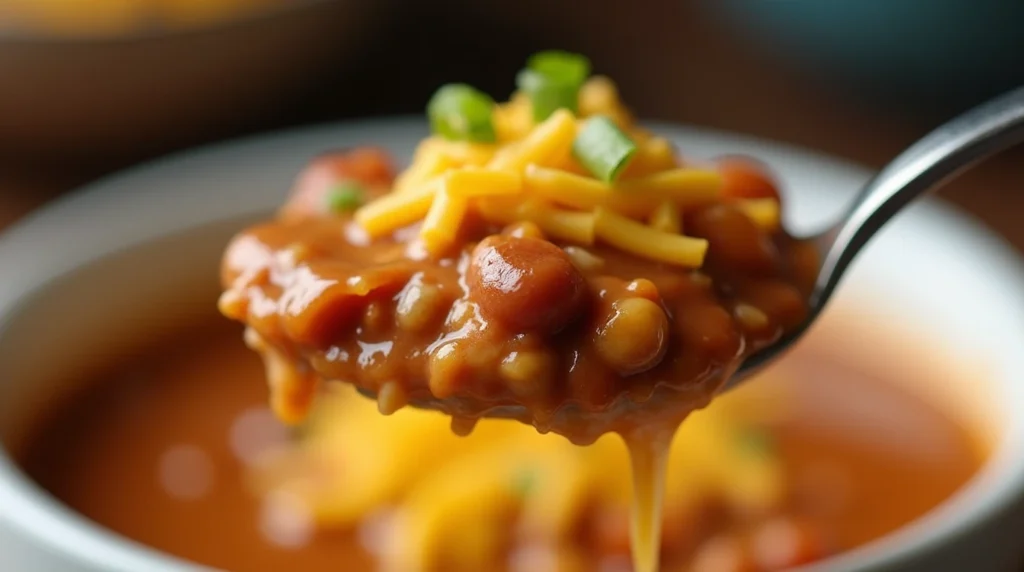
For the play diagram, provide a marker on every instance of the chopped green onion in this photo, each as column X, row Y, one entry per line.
column 552, row 80
column 462, row 113
column 756, row 441
column 560, row 66
column 346, row 196
column 603, row 149
column 547, row 96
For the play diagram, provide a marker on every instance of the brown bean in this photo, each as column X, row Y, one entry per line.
column 447, row 370
column 735, row 244
column 709, row 327
column 525, row 284
column 783, row 303
column 746, row 178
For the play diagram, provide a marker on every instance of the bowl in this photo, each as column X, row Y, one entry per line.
column 98, row 98
column 100, row 270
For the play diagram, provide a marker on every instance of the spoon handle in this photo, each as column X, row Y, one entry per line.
column 946, row 151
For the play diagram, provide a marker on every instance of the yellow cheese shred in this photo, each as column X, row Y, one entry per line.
column 666, row 218
column 443, row 220
column 395, row 210
column 477, row 182
column 583, row 193
column 642, row 240
column 530, row 174
column 685, row 187
column 548, row 142
column 764, row 212
column 577, row 227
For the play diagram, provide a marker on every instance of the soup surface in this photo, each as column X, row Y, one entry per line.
column 177, row 449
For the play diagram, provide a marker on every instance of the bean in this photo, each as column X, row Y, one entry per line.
column 709, row 327
column 746, row 178
column 420, row 306
column 752, row 319
column 633, row 339
column 736, row 245
column 644, row 288
column 447, row 370
column 525, row 284
column 529, row 373
column 783, row 303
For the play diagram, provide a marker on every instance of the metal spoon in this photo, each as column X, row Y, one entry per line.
column 924, row 166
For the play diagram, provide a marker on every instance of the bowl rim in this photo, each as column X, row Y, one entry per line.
column 30, row 510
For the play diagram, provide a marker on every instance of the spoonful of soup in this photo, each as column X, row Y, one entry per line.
column 563, row 267
column 548, row 260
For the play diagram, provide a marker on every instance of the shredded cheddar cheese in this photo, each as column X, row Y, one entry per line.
column 642, row 240
column 666, row 218
column 441, row 225
column 764, row 212
column 476, row 182
column 531, row 174
column 396, row 210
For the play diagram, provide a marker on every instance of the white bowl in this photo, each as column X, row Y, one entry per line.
column 92, row 274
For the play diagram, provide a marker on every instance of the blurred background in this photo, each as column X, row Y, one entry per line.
column 93, row 87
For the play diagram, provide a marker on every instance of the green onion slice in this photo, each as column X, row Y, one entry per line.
column 552, row 80
column 460, row 112
column 560, row 66
column 602, row 148
column 345, row 197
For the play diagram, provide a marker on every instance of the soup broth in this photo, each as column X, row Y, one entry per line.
column 163, row 450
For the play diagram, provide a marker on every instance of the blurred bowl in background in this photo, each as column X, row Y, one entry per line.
column 938, row 53
column 88, row 85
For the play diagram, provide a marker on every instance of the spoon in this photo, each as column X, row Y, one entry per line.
column 927, row 164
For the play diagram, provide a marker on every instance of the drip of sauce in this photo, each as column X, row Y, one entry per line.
column 648, row 454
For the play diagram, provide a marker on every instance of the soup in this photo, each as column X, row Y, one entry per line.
column 546, row 259
column 177, row 449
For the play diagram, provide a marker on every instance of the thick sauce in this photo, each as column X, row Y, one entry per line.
column 157, row 450
column 545, row 259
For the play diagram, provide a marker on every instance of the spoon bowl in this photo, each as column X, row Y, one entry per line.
column 924, row 166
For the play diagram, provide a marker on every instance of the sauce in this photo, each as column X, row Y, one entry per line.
column 548, row 261
column 160, row 451
column 648, row 456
